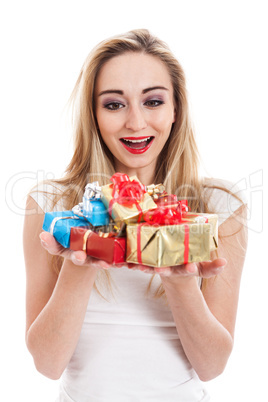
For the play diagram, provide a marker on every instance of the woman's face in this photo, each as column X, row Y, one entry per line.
column 134, row 109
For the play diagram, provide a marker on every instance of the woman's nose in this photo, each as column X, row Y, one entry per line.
column 135, row 119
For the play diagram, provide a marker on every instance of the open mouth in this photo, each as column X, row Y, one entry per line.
column 137, row 145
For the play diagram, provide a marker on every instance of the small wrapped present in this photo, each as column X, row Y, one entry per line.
column 155, row 190
column 105, row 246
column 168, row 239
column 92, row 207
column 171, row 201
column 59, row 224
column 126, row 198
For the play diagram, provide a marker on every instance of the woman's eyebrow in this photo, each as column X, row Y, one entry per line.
column 111, row 91
column 153, row 88
column 120, row 92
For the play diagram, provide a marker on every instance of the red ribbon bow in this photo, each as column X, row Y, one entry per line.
column 163, row 216
column 167, row 215
column 126, row 192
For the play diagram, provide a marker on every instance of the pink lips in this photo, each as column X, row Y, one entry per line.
column 137, row 147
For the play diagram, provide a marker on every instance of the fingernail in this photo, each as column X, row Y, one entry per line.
column 78, row 259
column 219, row 269
column 44, row 243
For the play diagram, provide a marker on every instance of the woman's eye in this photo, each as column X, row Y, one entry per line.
column 113, row 105
column 153, row 103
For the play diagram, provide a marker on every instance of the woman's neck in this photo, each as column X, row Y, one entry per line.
column 145, row 174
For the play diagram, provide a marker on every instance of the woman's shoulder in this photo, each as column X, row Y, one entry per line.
column 48, row 195
column 223, row 197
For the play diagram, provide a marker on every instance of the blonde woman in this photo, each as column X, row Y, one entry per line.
column 140, row 334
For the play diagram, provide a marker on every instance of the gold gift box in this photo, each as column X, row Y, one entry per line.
column 162, row 246
column 123, row 213
column 212, row 219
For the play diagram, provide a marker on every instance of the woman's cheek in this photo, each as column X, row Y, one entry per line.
column 111, row 124
column 162, row 119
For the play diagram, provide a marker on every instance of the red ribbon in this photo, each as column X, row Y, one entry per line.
column 139, row 243
column 167, row 215
column 166, row 199
column 186, row 244
column 171, row 200
column 126, row 192
column 183, row 206
column 163, row 216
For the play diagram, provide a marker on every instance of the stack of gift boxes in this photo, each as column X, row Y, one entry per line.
column 126, row 221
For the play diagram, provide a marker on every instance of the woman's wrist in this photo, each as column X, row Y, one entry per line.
column 181, row 284
column 76, row 272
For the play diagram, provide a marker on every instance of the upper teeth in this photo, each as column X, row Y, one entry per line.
column 144, row 139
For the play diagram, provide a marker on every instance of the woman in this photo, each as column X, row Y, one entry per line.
column 107, row 336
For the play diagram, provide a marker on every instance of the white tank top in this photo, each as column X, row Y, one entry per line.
column 129, row 349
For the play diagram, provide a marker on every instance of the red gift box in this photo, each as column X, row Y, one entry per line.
column 110, row 249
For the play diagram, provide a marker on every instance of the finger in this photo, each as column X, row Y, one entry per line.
column 78, row 257
column 104, row 265
column 50, row 244
column 133, row 266
column 163, row 271
column 82, row 259
column 211, row 268
column 149, row 271
column 119, row 265
column 215, row 264
column 183, row 270
column 139, row 267
column 190, row 268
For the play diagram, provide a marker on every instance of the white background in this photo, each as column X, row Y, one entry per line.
column 222, row 46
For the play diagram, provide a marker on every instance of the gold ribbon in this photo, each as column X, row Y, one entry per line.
column 85, row 239
column 58, row 218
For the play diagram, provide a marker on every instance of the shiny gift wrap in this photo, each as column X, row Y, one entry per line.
column 126, row 198
column 169, row 245
column 212, row 219
column 170, row 201
column 93, row 208
column 59, row 224
column 104, row 246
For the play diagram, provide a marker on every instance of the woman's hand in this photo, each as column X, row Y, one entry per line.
column 206, row 269
column 77, row 257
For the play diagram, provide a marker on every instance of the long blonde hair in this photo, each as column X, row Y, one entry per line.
column 177, row 165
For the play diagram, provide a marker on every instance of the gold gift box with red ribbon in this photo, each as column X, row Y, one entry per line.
column 172, row 236
column 126, row 198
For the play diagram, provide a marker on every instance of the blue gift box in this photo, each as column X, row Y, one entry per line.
column 95, row 211
column 92, row 207
column 59, row 224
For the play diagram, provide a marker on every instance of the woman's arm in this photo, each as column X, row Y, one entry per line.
column 205, row 320
column 55, row 305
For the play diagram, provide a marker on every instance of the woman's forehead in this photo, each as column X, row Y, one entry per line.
column 132, row 68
